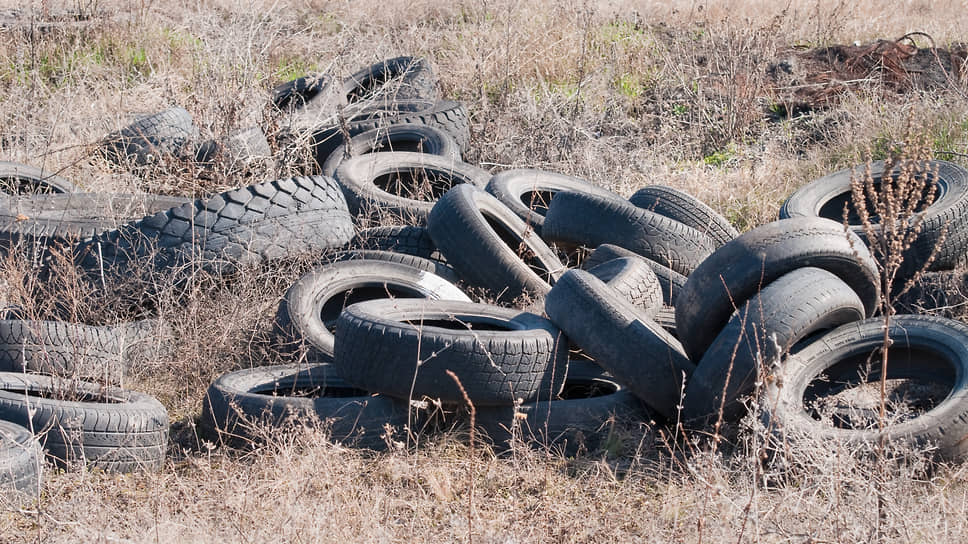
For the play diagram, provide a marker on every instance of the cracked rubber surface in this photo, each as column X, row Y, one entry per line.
column 243, row 226
column 238, row 404
column 686, row 209
column 403, row 347
column 110, row 428
column 736, row 271
column 592, row 220
column 622, row 339
column 763, row 330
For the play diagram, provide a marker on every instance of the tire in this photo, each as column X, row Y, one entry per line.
column 761, row 333
column 308, row 312
column 686, row 209
column 238, row 148
column 150, row 139
column 399, row 78
column 737, row 270
column 409, row 239
column 411, row 138
column 502, row 356
column 634, row 280
column 144, row 341
column 419, row 180
column 434, row 267
column 670, row 281
column 580, row 418
column 827, row 196
column 239, row 402
column 66, row 218
column 483, row 240
column 304, row 93
column 927, row 349
column 244, row 226
column 21, row 460
column 447, row 115
column 110, row 428
column 623, row 340
column 21, row 180
column 528, row 192
column 592, row 220
column 62, row 349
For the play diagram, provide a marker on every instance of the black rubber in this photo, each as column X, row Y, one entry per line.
column 623, row 340
column 592, row 220
column 740, row 268
column 579, row 418
column 686, row 209
column 67, row 218
column 528, row 192
column 306, row 92
column 759, row 335
column 62, row 349
column 108, row 428
column 238, row 404
column 21, row 460
column 447, row 115
column 404, row 347
column 403, row 185
column 238, row 148
column 434, row 267
column 399, row 78
column 632, row 278
column 152, row 138
column 243, row 226
column 670, row 281
column 926, row 349
column 948, row 213
column 21, row 180
column 307, row 313
column 490, row 246
column 409, row 239
column 401, row 137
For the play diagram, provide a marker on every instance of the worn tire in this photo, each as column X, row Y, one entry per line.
column 740, row 268
column 412, row 138
column 403, row 348
column 308, row 311
column 21, row 460
column 111, row 428
column 928, row 348
column 437, row 268
column 686, row 209
column 761, row 332
column 410, row 239
column 20, row 180
column 152, row 138
column 592, row 220
column 484, row 240
column 623, row 340
column 399, row 78
column 238, row 403
column 581, row 417
column 632, row 278
column 418, row 180
column 528, row 192
column 670, row 281
column 62, row 349
column 948, row 213
column 243, row 226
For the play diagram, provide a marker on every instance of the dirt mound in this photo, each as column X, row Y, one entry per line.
column 803, row 80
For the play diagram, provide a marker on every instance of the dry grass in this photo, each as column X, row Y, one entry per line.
column 623, row 94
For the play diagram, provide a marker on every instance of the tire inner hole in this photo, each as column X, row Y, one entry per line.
column 16, row 185
column 577, row 389
column 309, row 391
column 423, row 184
column 537, row 201
column 457, row 324
column 65, row 394
column 520, row 248
column 834, row 208
column 399, row 143
column 331, row 309
column 847, row 395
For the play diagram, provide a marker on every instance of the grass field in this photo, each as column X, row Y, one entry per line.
column 623, row 94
